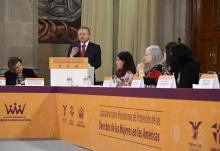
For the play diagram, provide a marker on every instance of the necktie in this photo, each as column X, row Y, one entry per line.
column 83, row 52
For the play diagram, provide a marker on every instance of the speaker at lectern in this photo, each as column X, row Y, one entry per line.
column 65, row 71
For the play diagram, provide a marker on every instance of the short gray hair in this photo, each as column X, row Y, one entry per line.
column 86, row 28
column 157, row 54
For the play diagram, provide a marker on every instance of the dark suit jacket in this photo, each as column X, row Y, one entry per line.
column 93, row 52
column 11, row 77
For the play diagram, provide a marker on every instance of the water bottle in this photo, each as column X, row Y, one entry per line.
column 114, row 81
column 69, row 81
column 20, row 79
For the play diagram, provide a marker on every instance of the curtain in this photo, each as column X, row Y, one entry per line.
column 174, row 21
column 139, row 23
column 147, row 22
column 98, row 16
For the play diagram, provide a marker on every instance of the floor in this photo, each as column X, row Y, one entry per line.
column 38, row 145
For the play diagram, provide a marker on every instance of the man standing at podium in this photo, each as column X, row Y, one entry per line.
column 85, row 48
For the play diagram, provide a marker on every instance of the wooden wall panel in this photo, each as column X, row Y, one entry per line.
column 206, row 33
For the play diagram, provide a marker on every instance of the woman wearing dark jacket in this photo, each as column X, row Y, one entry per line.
column 185, row 68
column 17, row 71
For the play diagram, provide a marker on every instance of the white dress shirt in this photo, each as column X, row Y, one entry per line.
column 87, row 43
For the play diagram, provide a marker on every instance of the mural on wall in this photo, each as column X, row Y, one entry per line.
column 58, row 20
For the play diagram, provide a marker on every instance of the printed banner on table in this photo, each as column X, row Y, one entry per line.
column 28, row 115
column 76, row 118
column 123, row 123
column 112, row 122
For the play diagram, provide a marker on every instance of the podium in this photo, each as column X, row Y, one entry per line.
column 65, row 71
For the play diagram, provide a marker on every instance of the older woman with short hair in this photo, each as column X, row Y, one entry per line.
column 153, row 66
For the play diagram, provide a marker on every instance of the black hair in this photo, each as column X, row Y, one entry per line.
column 129, row 65
column 168, row 51
column 12, row 61
column 180, row 54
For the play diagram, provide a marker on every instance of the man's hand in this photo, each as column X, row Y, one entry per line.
column 74, row 51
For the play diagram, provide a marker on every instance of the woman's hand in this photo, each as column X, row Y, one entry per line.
column 140, row 70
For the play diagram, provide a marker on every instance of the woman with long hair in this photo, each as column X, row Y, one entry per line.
column 184, row 67
column 125, row 69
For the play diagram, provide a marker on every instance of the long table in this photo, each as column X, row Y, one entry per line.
column 113, row 118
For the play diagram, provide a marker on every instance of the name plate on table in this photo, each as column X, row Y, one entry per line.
column 86, row 82
column 34, row 81
column 208, row 81
column 166, row 81
column 2, row 81
column 108, row 82
column 68, row 63
column 137, row 82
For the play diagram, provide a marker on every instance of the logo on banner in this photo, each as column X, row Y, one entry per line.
column 216, row 132
column 14, row 112
column 195, row 145
column 71, row 121
column 64, row 113
column 81, row 115
column 15, row 108
column 71, row 111
column 68, row 111
column 64, row 110
column 195, row 127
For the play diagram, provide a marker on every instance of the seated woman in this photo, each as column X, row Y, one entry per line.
column 125, row 69
column 167, row 52
column 17, row 71
column 153, row 65
column 184, row 67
